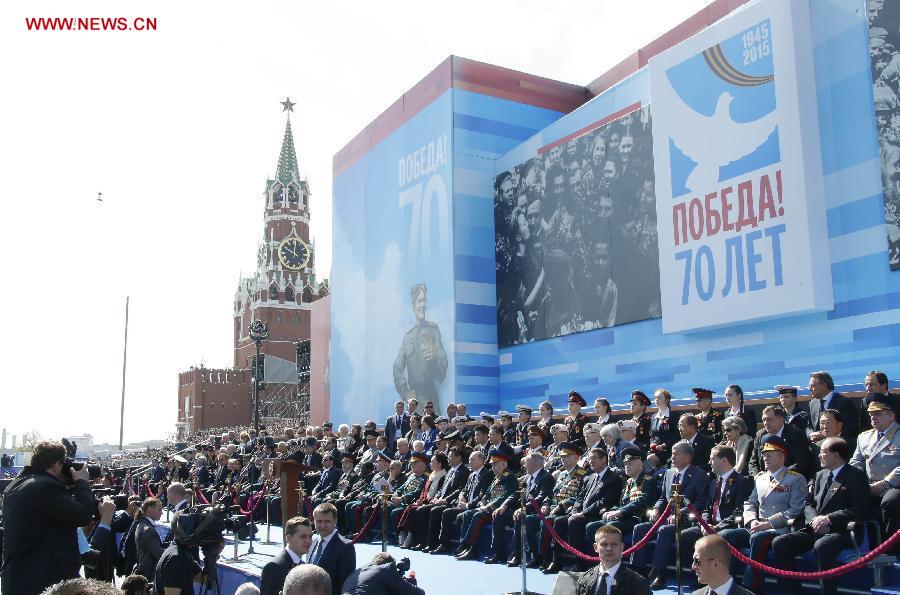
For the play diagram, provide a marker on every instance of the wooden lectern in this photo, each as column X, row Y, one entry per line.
column 289, row 472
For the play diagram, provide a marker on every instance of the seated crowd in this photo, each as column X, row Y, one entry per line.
column 437, row 483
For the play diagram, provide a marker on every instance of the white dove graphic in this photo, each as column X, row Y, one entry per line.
column 711, row 141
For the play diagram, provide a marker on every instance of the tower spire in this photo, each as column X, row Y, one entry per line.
column 287, row 160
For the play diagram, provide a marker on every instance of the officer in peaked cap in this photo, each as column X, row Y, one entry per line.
column 779, row 495
column 709, row 420
column 639, row 403
column 523, row 424
column 487, row 418
column 576, row 419
column 509, row 430
column 503, row 486
column 796, row 414
column 878, row 454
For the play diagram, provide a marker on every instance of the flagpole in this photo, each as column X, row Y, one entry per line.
column 124, row 364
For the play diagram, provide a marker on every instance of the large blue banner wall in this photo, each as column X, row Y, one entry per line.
column 860, row 333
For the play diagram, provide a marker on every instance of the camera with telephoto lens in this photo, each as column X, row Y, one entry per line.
column 403, row 565
column 70, row 463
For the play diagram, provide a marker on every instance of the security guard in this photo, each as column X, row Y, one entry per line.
column 778, row 496
column 878, row 454
column 503, row 486
column 523, row 425
column 576, row 419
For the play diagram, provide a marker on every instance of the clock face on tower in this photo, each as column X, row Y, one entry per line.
column 293, row 253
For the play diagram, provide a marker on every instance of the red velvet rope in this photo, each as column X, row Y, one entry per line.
column 572, row 550
column 253, row 502
column 821, row 574
column 150, row 490
column 368, row 524
column 200, row 497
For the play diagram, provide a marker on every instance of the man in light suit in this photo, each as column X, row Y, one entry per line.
column 335, row 554
column 778, row 496
column 693, row 486
column 610, row 577
column 298, row 535
column 396, row 426
column 878, row 454
column 821, row 391
column 711, row 562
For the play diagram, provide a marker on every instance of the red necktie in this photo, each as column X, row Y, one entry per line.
column 715, row 510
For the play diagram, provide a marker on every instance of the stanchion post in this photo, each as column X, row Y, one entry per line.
column 384, row 517
column 523, row 511
column 676, row 513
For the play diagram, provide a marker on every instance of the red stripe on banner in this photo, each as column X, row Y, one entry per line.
column 610, row 118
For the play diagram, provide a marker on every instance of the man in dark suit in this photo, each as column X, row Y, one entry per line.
column 693, row 486
column 774, row 423
column 329, row 550
column 840, row 495
column 329, row 479
column 600, row 491
column 477, row 484
column 40, row 519
column 539, row 485
column 689, row 428
column 396, row 426
column 711, row 561
column 610, row 576
column 298, row 535
column 427, row 522
column 381, row 577
column 725, row 500
column 821, row 391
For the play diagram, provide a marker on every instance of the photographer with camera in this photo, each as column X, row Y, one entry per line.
column 179, row 566
column 41, row 516
column 382, row 577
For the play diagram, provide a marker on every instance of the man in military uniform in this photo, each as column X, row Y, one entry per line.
column 509, row 431
column 523, row 425
column 539, row 487
column 795, row 413
column 350, row 493
column 355, row 510
column 600, row 491
column 421, row 361
column 640, row 492
column 576, row 419
column 411, row 489
column 778, row 496
column 502, row 487
column 535, row 443
column 878, row 454
column 465, row 434
column 560, row 434
column 639, row 404
column 568, row 482
column 710, row 419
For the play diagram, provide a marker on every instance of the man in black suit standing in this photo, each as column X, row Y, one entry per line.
column 711, row 561
column 610, row 577
column 689, row 428
column 775, row 423
column 396, row 426
column 40, row 519
column 298, row 534
column 329, row 550
column 840, row 495
column 821, row 391
column 600, row 491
